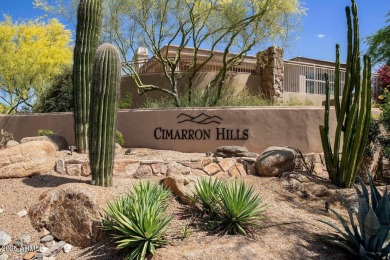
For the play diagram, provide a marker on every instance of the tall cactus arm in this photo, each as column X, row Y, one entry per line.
column 336, row 88
column 363, row 124
column 89, row 23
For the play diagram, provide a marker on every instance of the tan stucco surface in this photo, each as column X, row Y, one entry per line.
column 266, row 126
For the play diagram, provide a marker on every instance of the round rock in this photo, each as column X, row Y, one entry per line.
column 276, row 160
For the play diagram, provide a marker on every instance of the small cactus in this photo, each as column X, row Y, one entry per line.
column 89, row 23
column 104, row 104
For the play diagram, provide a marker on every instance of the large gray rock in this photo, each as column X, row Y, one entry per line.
column 27, row 159
column 69, row 212
column 275, row 160
column 59, row 141
column 234, row 151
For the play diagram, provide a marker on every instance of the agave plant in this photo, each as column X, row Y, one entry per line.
column 240, row 208
column 370, row 237
column 137, row 220
column 231, row 207
column 207, row 193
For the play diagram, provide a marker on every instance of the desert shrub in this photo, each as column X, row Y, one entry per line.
column 385, row 122
column 119, row 138
column 294, row 101
column 137, row 220
column 58, row 97
column 126, row 102
column 43, row 132
column 370, row 237
column 231, row 207
column 373, row 145
column 230, row 97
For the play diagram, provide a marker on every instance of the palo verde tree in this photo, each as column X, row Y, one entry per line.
column 353, row 112
column 32, row 54
column 224, row 25
column 379, row 44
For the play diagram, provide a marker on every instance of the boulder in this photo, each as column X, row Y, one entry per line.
column 11, row 143
column 275, row 160
column 216, row 247
column 58, row 141
column 69, row 212
column 27, row 159
column 143, row 171
column 182, row 186
column 234, row 151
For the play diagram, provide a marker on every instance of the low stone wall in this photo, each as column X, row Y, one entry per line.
column 197, row 129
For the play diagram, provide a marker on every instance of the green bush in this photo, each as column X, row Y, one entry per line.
column 58, row 97
column 370, row 238
column 126, row 102
column 231, row 207
column 137, row 220
column 43, row 132
column 385, row 122
column 119, row 138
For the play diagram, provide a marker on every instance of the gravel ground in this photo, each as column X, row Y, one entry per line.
column 291, row 230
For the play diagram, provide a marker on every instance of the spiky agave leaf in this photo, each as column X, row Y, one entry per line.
column 207, row 192
column 240, row 208
column 137, row 220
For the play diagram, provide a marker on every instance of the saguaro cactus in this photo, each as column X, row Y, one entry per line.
column 104, row 104
column 89, row 23
column 353, row 113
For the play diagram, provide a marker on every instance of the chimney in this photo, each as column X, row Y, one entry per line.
column 140, row 58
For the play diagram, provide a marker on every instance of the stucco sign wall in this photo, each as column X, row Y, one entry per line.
column 203, row 130
column 197, row 129
column 192, row 130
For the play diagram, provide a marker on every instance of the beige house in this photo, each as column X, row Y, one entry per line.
column 266, row 73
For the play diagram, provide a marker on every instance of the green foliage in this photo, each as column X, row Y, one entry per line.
column 186, row 231
column 137, row 220
column 385, row 122
column 43, row 132
column 32, row 53
column 379, row 44
column 373, row 145
column 126, row 102
column 229, row 97
column 89, row 23
column 353, row 113
column 119, row 138
column 207, row 193
column 231, row 207
column 105, row 91
column 370, row 238
column 58, row 97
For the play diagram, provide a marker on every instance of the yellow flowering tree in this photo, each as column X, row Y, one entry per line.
column 32, row 53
